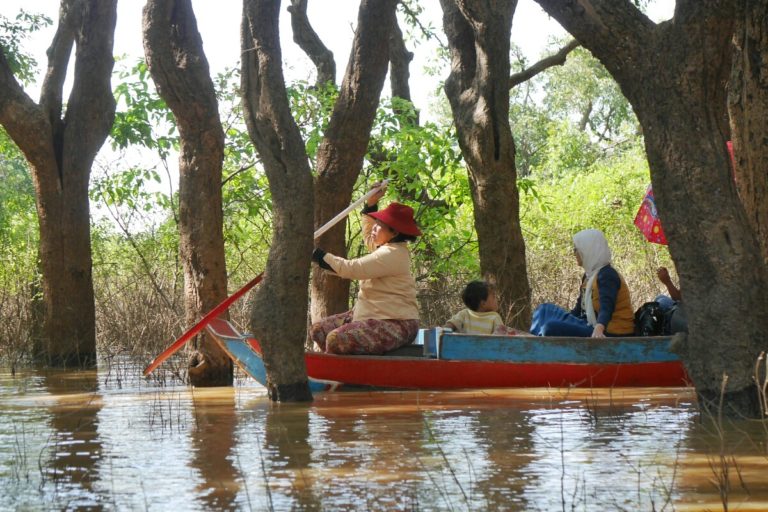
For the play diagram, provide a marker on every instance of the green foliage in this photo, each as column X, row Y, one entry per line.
column 605, row 195
column 13, row 33
column 530, row 128
column 425, row 168
column 568, row 117
column 247, row 205
column 416, row 29
column 142, row 117
column 18, row 219
column 312, row 107
column 571, row 176
column 579, row 145
column 147, row 216
column 583, row 90
column 239, row 153
column 568, row 151
column 131, row 189
column 246, row 198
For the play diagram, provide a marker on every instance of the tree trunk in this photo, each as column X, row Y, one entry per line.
column 61, row 152
column 278, row 316
column 478, row 91
column 345, row 142
column 399, row 73
column 175, row 57
column 748, row 107
column 308, row 40
column 676, row 85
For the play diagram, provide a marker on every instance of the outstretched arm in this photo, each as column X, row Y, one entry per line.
column 665, row 278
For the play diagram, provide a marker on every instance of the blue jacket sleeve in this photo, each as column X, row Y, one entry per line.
column 608, row 284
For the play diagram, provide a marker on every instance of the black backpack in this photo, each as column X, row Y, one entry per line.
column 649, row 320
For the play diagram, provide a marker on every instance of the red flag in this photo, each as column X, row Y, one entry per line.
column 647, row 219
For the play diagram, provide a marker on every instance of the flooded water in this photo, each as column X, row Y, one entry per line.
column 103, row 441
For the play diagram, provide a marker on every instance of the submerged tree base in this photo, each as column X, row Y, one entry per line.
column 735, row 404
column 296, row 392
column 202, row 374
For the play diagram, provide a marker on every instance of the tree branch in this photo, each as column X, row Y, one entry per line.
column 608, row 23
column 585, row 116
column 91, row 104
column 22, row 118
column 399, row 60
column 308, row 40
column 58, row 60
column 426, row 32
column 557, row 59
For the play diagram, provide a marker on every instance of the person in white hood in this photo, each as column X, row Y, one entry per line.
column 604, row 307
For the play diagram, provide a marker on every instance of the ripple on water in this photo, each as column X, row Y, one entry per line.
column 82, row 440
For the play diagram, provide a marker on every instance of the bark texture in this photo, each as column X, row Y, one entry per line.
column 399, row 63
column 478, row 91
column 60, row 147
column 748, row 107
column 674, row 75
column 345, row 142
column 308, row 40
column 174, row 52
column 279, row 312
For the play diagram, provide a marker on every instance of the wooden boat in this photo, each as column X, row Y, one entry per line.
column 443, row 360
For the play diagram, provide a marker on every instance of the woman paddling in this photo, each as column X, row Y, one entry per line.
column 386, row 313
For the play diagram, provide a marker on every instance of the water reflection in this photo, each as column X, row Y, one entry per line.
column 491, row 455
column 75, row 448
column 287, row 440
column 73, row 440
column 727, row 464
column 622, row 461
column 375, row 446
column 213, row 438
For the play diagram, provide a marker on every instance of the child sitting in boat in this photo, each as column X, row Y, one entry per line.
column 481, row 315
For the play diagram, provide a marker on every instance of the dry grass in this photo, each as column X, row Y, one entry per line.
column 139, row 315
column 16, row 321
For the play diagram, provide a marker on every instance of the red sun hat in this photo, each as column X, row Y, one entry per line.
column 398, row 217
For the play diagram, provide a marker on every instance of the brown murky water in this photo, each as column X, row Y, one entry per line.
column 100, row 440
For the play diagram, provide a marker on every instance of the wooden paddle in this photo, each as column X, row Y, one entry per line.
column 215, row 312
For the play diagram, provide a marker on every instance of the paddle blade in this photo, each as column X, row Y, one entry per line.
column 195, row 329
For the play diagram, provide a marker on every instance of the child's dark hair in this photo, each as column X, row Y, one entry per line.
column 475, row 293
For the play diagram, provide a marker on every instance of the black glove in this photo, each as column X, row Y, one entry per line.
column 317, row 256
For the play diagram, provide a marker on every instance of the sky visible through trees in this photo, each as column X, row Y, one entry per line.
column 219, row 25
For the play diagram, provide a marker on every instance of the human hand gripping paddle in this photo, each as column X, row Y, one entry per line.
column 215, row 312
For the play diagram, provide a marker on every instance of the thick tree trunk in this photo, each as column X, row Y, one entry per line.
column 341, row 152
column 278, row 316
column 676, row 85
column 748, row 107
column 478, row 90
column 175, row 57
column 60, row 153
